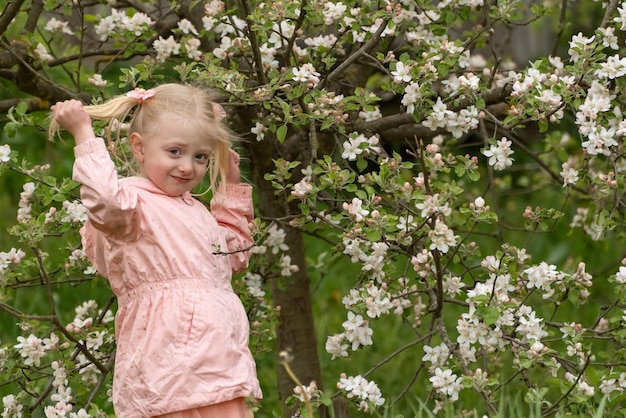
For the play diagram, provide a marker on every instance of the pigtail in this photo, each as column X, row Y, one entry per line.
column 116, row 111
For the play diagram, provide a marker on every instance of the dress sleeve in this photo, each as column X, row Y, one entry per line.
column 233, row 210
column 111, row 209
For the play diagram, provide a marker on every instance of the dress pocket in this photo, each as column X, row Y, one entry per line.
column 211, row 334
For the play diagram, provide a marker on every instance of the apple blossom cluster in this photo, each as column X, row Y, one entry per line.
column 14, row 256
column 24, row 206
column 457, row 123
column 613, row 384
column 447, row 383
column 12, row 407
column 78, row 257
column 499, row 154
column 275, row 240
column 308, row 393
column 40, row 352
column 365, row 392
column 356, row 331
column 76, row 212
column 120, row 22
column 358, row 144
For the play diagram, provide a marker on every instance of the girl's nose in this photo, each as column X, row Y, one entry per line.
column 185, row 165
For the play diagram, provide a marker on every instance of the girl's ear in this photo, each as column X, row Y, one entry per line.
column 136, row 145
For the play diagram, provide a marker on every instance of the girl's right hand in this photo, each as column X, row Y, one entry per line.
column 71, row 116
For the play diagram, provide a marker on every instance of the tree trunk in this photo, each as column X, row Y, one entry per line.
column 296, row 331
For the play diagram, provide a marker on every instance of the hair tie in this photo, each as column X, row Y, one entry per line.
column 218, row 112
column 141, row 95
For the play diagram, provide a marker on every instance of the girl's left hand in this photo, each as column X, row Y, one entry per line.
column 234, row 174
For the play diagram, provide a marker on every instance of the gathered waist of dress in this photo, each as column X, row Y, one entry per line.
column 148, row 288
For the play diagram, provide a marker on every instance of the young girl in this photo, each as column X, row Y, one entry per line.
column 181, row 331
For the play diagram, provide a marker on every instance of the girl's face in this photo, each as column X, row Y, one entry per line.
column 174, row 157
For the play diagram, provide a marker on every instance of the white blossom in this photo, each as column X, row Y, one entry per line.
column 500, row 154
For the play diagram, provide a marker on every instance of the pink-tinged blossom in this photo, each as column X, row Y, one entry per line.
column 437, row 356
column 543, row 276
column 608, row 37
column 500, row 154
column 42, row 53
column 402, row 73
column 214, row 7
column 600, row 140
column 76, row 212
column 568, row 174
column 452, row 285
column 14, row 256
column 58, row 26
column 356, row 145
column 438, row 117
column 324, row 42
column 411, row 96
column 306, row 74
column 12, row 407
column 97, row 80
column 370, row 115
column 356, row 209
column 447, row 383
column 311, row 392
column 136, row 24
column 530, row 327
column 333, row 12
column 24, row 207
column 302, row 188
column 31, row 349
column 165, row 48
column 254, row 284
column 5, row 153
column 613, row 68
column 376, row 26
column 187, row 27
column 422, row 263
column 578, row 44
column 361, row 389
column 276, row 239
column 357, row 331
column 192, row 46
column 433, row 205
column 336, row 346
column 442, row 237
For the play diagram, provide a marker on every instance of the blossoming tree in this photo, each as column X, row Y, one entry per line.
column 479, row 199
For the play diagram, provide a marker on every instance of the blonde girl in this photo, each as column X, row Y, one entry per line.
column 181, row 331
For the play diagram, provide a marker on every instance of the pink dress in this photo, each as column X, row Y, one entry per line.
column 181, row 331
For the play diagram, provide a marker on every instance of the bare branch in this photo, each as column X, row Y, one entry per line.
column 8, row 14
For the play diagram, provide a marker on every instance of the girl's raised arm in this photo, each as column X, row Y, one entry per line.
column 71, row 116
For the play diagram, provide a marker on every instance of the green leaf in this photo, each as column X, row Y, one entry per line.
column 281, row 133
column 490, row 315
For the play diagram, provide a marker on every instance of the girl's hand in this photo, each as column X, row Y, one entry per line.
column 71, row 116
column 234, row 174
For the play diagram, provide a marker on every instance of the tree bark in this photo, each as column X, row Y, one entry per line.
column 295, row 332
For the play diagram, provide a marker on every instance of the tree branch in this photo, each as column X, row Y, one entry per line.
column 8, row 14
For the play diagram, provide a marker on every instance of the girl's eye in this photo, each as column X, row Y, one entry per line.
column 175, row 151
column 202, row 158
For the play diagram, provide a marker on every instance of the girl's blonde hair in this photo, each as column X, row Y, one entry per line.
column 195, row 107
